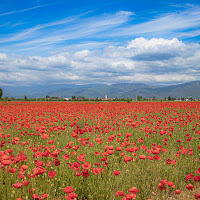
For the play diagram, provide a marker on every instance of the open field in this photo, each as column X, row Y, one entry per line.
column 105, row 151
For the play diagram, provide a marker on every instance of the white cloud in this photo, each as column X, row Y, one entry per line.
column 155, row 44
column 82, row 54
column 3, row 57
column 23, row 10
column 103, row 29
column 159, row 78
column 74, row 27
column 168, row 23
column 141, row 60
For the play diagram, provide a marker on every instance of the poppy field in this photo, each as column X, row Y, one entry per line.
column 99, row 150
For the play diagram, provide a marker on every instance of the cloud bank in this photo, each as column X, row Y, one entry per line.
column 140, row 60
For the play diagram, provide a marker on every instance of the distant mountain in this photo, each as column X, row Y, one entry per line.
column 121, row 90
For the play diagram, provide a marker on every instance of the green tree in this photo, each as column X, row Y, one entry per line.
column 139, row 98
column 1, row 92
column 191, row 99
column 12, row 98
column 82, row 98
column 25, row 98
column 128, row 100
column 169, row 98
column 183, row 99
column 6, row 99
column 73, row 97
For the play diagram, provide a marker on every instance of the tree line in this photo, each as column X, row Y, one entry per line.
column 1, row 93
column 82, row 98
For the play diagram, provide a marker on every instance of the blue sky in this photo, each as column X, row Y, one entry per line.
column 71, row 41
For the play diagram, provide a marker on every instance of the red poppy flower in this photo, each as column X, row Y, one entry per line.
column 11, row 170
column 142, row 157
column 68, row 189
column 197, row 196
column 51, row 174
column 25, row 182
column 35, row 196
column 150, row 157
column 126, row 159
column 44, row 196
column 120, row 193
column 72, row 195
column 177, row 191
column 189, row 176
column 66, row 156
column 110, row 152
column 97, row 164
column 116, row 173
column 96, row 170
column 133, row 190
column 143, row 147
column 24, row 167
column 161, row 186
column 156, row 157
column 31, row 190
column 104, row 154
column 6, row 162
column 17, row 185
column 56, row 162
column 170, row 183
column 86, row 165
column 85, row 173
column 131, row 196
column 118, row 148
column 196, row 178
column 37, row 171
column 81, row 158
column 189, row 187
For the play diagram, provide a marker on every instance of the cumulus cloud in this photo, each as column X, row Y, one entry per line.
column 3, row 57
column 141, row 60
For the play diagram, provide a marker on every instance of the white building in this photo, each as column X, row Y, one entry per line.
column 106, row 97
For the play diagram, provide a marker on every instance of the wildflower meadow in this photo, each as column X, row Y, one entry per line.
column 99, row 150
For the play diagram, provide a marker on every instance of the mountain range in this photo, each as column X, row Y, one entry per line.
column 120, row 90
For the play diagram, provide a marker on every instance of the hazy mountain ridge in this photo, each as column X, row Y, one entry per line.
column 121, row 90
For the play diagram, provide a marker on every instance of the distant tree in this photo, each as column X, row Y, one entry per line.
column 1, row 93
column 55, row 98
column 12, row 98
column 139, row 98
column 191, row 99
column 128, row 100
column 6, row 99
column 83, row 98
column 183, row 99
column 73, row 97
column 25, row 98
column 169, row 98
